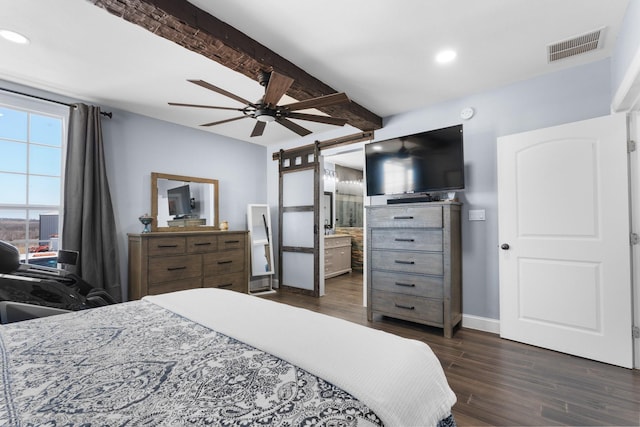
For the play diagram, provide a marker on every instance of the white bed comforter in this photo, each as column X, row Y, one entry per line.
column 401, row 380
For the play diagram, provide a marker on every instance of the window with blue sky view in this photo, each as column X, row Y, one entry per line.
column 31, row 162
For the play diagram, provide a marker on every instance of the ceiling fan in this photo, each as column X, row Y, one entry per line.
column 267, row 109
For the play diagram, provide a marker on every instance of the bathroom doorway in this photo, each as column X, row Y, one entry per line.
column 344, row 191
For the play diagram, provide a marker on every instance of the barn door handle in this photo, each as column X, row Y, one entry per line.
column 504, row 247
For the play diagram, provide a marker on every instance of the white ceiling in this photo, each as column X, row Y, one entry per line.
column 379, row 52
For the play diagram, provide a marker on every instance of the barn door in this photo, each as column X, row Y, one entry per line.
column 565, row 273
column 299, row 214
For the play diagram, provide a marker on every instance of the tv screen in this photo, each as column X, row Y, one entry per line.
column 420, row 163
column 179, row 201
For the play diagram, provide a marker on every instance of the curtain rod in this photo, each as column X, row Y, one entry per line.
column 109, row 114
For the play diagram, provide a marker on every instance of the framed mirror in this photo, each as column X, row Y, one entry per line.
column 183, row 203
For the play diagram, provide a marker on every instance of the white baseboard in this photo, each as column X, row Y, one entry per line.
column 481, row 323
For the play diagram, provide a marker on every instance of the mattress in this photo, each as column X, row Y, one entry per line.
column 215, row 357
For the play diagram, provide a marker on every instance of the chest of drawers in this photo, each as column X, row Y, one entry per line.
column 166, row 262
column 337, row 255
column 414, row 266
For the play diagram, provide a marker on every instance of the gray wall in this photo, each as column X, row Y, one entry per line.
column 566, row 96
column 563, row 97
column 136, row 145
column 627, row 44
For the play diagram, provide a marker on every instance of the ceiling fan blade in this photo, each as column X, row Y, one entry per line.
column 278, row 85
column 320, row 119
column 294, row 127
column 225, row 121
column 321, row 101
column 258, row 129
column 178, row 104
column 221, row 91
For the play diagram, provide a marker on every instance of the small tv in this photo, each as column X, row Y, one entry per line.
column 179, row 201
column 425, row 162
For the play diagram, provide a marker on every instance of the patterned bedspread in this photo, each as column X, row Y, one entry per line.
column 138, row 364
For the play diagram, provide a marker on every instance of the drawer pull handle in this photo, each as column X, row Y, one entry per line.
column 203, row 244
column 226, row 285
column 406, row 285
column 402, row 217
column 167, row 246
column 232, row 241
column 224, row 262
column 406, row 307
column 405, row 240
column 176, row 268
column 399, row 261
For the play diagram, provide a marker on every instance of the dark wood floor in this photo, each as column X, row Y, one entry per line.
column 500, row 382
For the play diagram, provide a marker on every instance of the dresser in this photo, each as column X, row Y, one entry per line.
column 414, row 263
column 337, row 255
column 172, row 261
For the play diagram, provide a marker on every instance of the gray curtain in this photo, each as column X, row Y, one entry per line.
column 88, row 222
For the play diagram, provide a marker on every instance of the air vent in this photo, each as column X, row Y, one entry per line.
column 575, row 46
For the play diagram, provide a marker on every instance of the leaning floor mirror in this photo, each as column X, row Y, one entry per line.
column 259, row 224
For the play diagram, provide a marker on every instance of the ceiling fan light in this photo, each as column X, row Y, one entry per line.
column 265, row 116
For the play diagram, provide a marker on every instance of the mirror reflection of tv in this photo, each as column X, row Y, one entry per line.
column 179, row 201
column 425, row 162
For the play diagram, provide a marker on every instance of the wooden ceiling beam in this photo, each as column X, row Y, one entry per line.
column 200, row 32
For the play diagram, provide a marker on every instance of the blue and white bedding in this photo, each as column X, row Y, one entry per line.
column 214, row 357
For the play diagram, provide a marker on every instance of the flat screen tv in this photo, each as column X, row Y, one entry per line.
column 179, row 201
column 425, row 162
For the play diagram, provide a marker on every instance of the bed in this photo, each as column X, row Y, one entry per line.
column 215, row 357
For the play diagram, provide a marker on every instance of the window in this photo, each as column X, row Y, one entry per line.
column 32, row 145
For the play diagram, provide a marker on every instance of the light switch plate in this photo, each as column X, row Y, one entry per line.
column 476, row 215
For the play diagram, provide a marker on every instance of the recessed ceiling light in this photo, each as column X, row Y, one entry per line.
column 14, row 37
column 446, row 56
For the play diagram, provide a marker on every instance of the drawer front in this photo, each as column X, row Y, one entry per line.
column 409, row 284
column 329, row 254
column 409, row 307
column 233, row 281
column 199, row 244
column 405, row 217
column 408, row 262
column 407, row 239
column 224, row 262
column 329, row 259
column 174, row 285
column 165, row 269
column 334, row 253
column 167, row 246
column 334, row 242
column 230, row 242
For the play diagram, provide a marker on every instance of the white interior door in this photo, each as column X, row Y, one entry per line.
column 565, row 273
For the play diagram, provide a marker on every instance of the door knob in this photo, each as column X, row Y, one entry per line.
column 505, row 246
